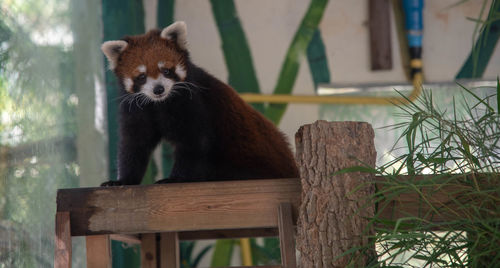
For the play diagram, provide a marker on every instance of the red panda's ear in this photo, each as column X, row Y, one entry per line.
column 176, row 32
column 112, row 50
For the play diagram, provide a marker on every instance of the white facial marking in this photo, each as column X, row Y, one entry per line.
column 141, row 68
column 148, row 88
column 128, row 83
column 180, row 71
column 161, row 64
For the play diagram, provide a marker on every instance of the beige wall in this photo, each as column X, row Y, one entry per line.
column 270, row 26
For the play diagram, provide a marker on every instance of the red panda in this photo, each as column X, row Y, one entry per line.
column 164, row 96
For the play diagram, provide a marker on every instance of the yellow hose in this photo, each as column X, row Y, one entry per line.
column 283, row 98
column 246, row 252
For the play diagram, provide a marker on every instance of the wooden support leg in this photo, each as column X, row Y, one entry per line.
column 169, row 250
column 62, row 257
column 286, row 234
column 98, row 251
column 148, row 251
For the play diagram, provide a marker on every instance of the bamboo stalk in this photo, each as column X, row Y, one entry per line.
column 297, row 48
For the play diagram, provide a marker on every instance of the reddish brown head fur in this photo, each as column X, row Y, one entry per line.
column 148, row 50
column 152, row 63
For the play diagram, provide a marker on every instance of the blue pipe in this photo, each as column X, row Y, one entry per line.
column 414, row 31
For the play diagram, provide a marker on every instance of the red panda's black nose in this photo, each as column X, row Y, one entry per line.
column 158, row 90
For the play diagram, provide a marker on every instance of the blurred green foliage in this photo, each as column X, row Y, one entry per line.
column 37, row 127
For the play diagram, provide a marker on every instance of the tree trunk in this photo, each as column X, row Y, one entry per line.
column 333, row 217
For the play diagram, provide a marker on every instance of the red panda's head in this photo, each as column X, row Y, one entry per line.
column 150, row 64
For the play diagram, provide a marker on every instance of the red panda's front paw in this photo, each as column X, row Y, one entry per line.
column 112, row 183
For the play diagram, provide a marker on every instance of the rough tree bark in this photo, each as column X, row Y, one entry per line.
column 332, row 216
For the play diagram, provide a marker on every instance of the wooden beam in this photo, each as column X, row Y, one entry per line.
column 379, row 17
column 440, row 204
column 98, row 251
column 169, row 250
column 287, row 236
column 202, row 210
column 148, row 251
column 265, row 266
column 62, row 256
column 177, row 206
column 228, row 234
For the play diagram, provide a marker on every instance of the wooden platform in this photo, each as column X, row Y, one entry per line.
column 191, row 211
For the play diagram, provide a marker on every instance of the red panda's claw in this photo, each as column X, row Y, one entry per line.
column 112, row 183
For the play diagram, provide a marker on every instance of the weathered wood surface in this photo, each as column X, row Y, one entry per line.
column 98, row 251
column 287, row 236
column 177, row 206
column 169, row 250
column 62, row 256
column 332, row 216
column 379, row 21
column 434, row 201
column 265, row 266
column 149, row 259
column 229, row 233
column 85, row 204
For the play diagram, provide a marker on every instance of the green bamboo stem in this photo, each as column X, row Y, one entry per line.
column 399, row 21
column 223, row 251
column 290, row 67
column 318, row 61
column 242, row 76
column 119, row 18
column 165, row 17
column 165, row 13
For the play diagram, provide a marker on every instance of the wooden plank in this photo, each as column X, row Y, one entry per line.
column 177, row 206
column 148, row 251
column 98, row 251
column 287, row 235
column 265, row 266
column 62, row 256
column 228, row 233
column 169, row 250
column 440, row 204
column 379, row 18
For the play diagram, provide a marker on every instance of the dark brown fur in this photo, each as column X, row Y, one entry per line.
column 215, row 134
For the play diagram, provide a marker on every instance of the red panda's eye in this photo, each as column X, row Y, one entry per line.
column 141, row 79
column 165, row 72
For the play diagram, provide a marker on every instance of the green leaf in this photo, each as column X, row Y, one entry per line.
column 363, row 169
column 478, row 59
column 186, row 250
column 222, row 253
column 151, row 172
column 476, row 97
column 498, row 95
column 200, row 255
